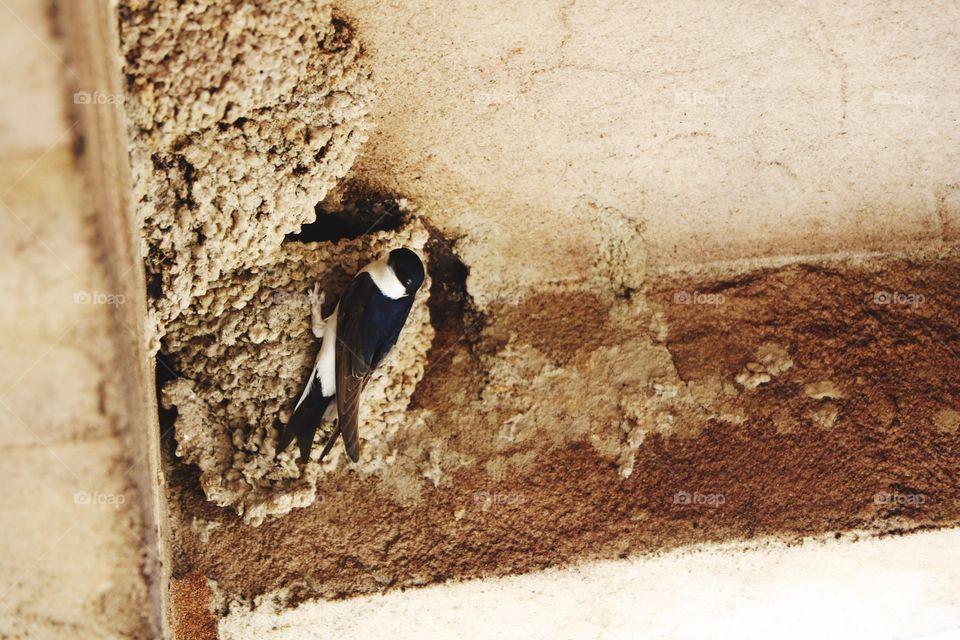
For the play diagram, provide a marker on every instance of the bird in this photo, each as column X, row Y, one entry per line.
column 356, row 337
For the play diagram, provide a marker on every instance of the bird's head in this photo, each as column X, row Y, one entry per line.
column 408, row 268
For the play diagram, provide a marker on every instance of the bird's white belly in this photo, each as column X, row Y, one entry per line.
column 325, row 366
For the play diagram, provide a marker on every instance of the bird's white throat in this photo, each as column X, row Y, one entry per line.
column 385, row 279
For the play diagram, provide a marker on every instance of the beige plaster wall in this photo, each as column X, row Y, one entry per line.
column 70, row 523
column 724, row 130
column 729, row 129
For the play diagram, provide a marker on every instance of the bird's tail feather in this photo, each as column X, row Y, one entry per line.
column 332, row 440
column 303, row 426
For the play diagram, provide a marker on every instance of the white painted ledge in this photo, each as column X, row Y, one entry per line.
column 892, row 588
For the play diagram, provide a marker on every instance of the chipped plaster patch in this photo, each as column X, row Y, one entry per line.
column 947, row 420
column 826, row 415
column 203, row 528
column 773, row 359
column 752, row 376
column 823, row 389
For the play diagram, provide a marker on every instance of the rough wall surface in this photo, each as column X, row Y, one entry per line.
column 571, row 405
column 734, row 131
column 233, row 144
column 70, row 522
column 232, row 148
column 236, row 389
column 790, row 402
column 72, row 534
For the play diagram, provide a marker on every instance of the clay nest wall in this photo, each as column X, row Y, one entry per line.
column 242, row 118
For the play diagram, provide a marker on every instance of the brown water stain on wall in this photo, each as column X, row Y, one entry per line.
column 559, row 325
column 190, row 602
column 851, row 436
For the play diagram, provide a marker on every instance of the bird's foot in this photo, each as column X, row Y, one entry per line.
column 316, row 298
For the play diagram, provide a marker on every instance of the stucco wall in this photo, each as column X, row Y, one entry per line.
column 570, row 161
column 589, row 364
column 71, row 526
column 730, row 130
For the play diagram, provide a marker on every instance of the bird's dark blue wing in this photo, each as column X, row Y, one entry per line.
column 368, row 325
